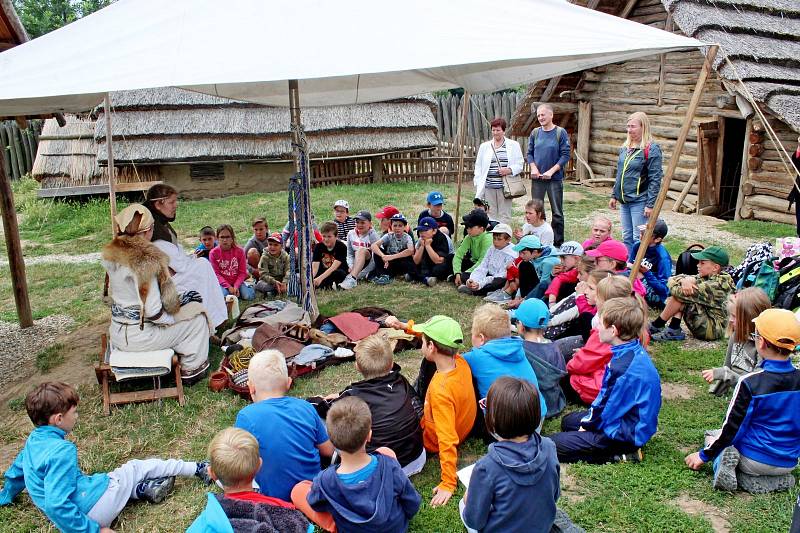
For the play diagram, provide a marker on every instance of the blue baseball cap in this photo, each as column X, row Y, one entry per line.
column 435, row 198
column 398, row 218
column 532, row 313
column 528, row 241
column 427, row 223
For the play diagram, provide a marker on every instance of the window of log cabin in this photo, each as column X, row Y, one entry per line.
column 732, row 161
column 207, row 171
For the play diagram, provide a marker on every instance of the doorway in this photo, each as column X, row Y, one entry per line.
column 732, row 160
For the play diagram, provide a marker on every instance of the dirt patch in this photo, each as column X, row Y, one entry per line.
column 692, row 507
column 59, row 258
column 80, row 348
column 677, row 391
column 570, row 488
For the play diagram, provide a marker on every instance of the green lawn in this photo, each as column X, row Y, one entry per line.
column 621, row 497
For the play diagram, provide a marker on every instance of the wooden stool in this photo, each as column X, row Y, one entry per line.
column 105, row 377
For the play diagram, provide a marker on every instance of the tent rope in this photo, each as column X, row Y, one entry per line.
column 299, row 207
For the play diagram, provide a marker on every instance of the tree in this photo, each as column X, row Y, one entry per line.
column 43, row 16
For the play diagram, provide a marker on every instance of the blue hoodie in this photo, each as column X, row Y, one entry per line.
column 384, row 502
column 501, row 357
column 48, row 467
column 655, row 279
column 514, row 487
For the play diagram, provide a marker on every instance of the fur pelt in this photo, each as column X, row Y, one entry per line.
column 146, row 261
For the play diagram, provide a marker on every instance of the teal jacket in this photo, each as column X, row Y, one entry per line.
column 638, row 177
column 48, row 467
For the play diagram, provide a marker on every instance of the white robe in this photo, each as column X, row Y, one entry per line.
column 195, row 274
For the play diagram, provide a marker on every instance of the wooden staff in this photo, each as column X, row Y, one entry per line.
column 112, row 179
column 673, row 162
column 459, row 176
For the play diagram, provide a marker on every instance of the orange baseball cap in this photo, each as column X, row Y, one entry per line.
column 780, row 327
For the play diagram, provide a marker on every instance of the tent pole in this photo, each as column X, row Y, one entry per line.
column 676, row 155
column 307, row 294
column 16, row 263
column 112, row 179
column 462, row 144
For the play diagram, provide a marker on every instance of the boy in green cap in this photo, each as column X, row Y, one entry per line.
column 450, row 405
column 700, row 300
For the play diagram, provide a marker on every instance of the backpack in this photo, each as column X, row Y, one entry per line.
column 787, row 293
column 559, row 129
column 756, row 254
column 685, row 263
column 762, row 275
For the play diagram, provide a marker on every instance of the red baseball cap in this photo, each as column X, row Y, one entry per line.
column 388, row 211
column 610, row 248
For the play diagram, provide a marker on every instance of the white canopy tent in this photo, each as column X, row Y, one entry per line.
column 345, row 52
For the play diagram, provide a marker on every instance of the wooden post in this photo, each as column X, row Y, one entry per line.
column 462, row 144
column 308, row 296
column 377, row 169
column 584, row 132
column 745, row 171
column 676, row 155
column 682, row 196
column 112, row 179
column 16, row 263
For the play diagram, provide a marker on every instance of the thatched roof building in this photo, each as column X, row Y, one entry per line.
column 728, row 167
column 168, row 125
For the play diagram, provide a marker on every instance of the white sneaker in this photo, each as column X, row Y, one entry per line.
column 497, row 296
column 348, row 283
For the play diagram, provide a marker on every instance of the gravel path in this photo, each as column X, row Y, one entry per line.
column 93, row 257
column 20, row 346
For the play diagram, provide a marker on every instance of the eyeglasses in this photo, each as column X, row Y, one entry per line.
column 754, row 336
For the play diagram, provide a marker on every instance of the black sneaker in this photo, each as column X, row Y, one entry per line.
column 202, row 473
column 155, row 490
column 636, row 456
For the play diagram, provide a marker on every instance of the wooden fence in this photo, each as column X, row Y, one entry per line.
column 19, row 147
column 483, row 108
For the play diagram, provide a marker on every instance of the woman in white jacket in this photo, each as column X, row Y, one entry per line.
column 497, row 158
column 148, row 314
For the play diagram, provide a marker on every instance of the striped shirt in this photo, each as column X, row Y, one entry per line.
column 343, row 228
column 493, row 179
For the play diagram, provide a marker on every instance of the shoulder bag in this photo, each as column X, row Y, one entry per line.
column 513, row 186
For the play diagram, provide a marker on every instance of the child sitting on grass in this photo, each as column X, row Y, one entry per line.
column 344, row 222
column 393, row 252
column 450, row 404
column 699, row 300
column 656, row 266
column 230, row 265
column 359, row 250
column 491, row 273
column 564, row 321
column 741, row 356
column 234, row 461
column 365, row 492
column 601, row 232
column 514, row 487
column 536, row 269
column 759, row 442
column 624, row 415
column 473, row 247
column 329, row 261
column 48, row 468
column 536, row 223
column 274, row 267
column 254, row 248
column 432, row 259
column 563, row 284
column 613, row 256
column 396, row 409
column 291, row 437
column 435, row 203
column 208, row 240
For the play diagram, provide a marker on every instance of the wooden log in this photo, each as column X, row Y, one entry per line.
column 11, row 153
column 16, row 262
column 756, row 138
column 758, row 127
column 752, row 209
column 682, row 196
column 4, row 147
column 584, row 131
column 756, row 150
column 754, row 163
column 26, row 150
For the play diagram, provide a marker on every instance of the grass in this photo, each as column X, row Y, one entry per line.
column 621, row 497
column 49, row 358
column 758, row 230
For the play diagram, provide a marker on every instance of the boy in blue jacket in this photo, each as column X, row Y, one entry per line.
column 656, row 267
column 760, row 437
column 365, row 492
column 624, row 415
column 48, row 467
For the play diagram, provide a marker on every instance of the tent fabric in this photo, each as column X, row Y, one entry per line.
column 344, row 52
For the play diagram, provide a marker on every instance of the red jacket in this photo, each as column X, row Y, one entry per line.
column 570, row 276
column 587, row 366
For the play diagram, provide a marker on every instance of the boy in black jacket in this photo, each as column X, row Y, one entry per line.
column 395, row 407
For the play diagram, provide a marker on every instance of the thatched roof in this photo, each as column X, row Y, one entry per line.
column 168, row 125
column 761, row 38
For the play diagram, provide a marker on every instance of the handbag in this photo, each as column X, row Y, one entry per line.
column 513, row 186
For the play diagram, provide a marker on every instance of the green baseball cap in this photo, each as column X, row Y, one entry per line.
column 442, row 329
column 714, row 254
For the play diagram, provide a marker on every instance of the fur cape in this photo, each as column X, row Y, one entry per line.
column 146, row 261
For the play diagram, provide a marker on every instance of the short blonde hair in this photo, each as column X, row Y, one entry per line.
column 234, row 456
column 647, row 137
column 374, row 356
column 605, row 220
column 491, row 321
column 267, row 371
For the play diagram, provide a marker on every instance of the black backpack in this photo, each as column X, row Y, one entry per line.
column 685, row 263
column 787, row 295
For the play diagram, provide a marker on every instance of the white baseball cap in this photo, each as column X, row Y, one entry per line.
column 342, row 203
column 503, row 228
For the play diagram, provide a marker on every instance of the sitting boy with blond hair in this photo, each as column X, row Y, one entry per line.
column 365, row 492
column 233, row 453
column 48, row 467
column 290, row 435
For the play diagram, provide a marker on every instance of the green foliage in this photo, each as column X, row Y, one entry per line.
column 50, row 357
column 43, row 16
column 758, row 229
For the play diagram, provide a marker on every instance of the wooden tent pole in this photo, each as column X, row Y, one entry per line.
column 308, row 296
column 112, row 179
column 16, row 263
column 676, row 155
column 459, row 176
